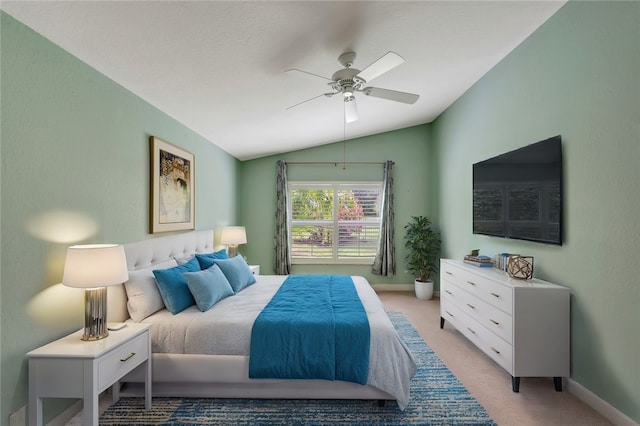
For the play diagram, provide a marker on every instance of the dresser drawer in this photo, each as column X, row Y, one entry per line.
column 488, row 290
column 495, row 320
column 492, row 345
column 122, row 360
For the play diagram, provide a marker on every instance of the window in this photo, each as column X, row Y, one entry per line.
column 334, row 222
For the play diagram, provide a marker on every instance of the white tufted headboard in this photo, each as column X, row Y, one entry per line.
column 150, row 252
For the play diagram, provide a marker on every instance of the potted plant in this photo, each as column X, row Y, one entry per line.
column 423, row 254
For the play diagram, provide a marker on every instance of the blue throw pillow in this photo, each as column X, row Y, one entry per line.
column 208, row 287
column 206, row 260
column 173, row 286
column 237, row 272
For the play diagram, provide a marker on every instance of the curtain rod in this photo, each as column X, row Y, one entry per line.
column 335, row 163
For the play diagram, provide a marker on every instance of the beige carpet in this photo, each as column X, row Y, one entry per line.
column 537, row 403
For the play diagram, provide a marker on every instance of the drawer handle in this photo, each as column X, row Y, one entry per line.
column 131, row 355
column 471, row 306
column 449, row 273
column 494, row 321
column 495, row 295
column 471, row 282
column 471, row 330
column 495, row 350
column 448, row 292
column 450, row 314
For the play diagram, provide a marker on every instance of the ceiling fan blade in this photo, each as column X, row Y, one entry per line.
column 386, row 63
column 350, row 109
column 295, row 70
column 392, row 95
column 328, row 95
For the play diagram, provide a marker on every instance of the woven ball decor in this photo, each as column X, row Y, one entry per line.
column 520, row 267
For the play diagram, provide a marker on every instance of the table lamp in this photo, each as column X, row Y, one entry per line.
column 93, row 267
column 232, row 236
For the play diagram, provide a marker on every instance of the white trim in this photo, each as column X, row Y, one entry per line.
column 607, row 410
column 399, row 287
column 392, row 287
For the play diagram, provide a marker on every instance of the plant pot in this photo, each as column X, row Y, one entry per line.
column 424, row 290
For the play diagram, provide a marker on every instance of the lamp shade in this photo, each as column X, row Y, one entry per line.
column 95, row 265
column 233, row 235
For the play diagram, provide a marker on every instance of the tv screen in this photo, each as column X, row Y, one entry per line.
column 519, row 194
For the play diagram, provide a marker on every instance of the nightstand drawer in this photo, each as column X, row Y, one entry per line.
column 122, row 360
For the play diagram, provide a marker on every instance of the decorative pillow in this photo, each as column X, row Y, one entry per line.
column 237, row 272
column 173, row 287
column 143, row 297
column 208, row 287
column 206, row 260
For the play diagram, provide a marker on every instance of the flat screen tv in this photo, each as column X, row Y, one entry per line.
column 519, row 194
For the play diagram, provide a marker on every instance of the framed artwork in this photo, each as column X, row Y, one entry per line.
column 172, row 187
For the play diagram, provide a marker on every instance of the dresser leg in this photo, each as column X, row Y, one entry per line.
column 515, row 384
column 441, row 323
column 557, row 383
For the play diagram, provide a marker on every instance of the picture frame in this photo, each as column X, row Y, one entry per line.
column 172, row 187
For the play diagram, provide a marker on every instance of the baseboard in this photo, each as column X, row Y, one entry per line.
column 398, row 287
column 63, row 418
column 392, row 287
column 607, row 410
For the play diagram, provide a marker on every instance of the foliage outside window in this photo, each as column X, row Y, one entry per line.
column 337, row 222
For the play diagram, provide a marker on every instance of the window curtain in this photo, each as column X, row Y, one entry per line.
column 282, row 264
column 385, row 261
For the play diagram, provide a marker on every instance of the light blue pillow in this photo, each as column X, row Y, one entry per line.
column 237, row 272
column 173, row 286
column 208, row 287
column 206, row 260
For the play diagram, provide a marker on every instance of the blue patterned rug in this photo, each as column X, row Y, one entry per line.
column 437, row 398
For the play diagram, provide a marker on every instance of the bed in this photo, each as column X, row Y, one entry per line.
column 189, row 359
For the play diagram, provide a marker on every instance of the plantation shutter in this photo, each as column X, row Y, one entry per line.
column 337, row 222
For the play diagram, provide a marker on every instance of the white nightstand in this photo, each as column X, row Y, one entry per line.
column 255, row 269
column 73, row 368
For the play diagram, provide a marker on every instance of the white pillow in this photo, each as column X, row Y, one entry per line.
column 142, row 292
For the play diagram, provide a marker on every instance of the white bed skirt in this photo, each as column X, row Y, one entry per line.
column 227, row 376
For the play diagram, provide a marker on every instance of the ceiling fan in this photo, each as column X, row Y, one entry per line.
column 348, row 81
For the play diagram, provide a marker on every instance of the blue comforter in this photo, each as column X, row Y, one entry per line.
column 315, row 327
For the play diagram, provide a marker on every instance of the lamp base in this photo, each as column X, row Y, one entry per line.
column 95, row 314
column 232, row 250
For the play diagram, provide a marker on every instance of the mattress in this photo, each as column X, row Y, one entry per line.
column 225, row 329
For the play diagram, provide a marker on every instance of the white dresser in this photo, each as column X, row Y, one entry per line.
column 524, row 326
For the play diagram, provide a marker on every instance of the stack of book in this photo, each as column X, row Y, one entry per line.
column 481, row 261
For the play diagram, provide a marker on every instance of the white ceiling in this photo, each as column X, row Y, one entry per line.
column 218, row 67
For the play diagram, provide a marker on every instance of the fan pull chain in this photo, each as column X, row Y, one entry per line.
column 344, row 137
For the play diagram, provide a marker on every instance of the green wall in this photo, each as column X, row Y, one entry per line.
column 577, row 76
column 409, row 148
column 75, row 169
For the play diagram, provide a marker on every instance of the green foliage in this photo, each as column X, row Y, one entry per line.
column 312, row 204
column 423, row 248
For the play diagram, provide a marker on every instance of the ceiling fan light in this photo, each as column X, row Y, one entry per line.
column 347, row 92
column 350, row 109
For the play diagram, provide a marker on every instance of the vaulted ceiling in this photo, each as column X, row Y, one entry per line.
column 219, row 67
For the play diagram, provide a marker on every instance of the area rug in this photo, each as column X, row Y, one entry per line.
column 437, row 398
